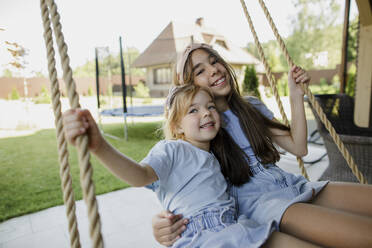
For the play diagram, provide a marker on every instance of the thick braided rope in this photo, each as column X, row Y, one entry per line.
column 66, row 182
column 336, row 138
column 86, row 170
column 271, row 81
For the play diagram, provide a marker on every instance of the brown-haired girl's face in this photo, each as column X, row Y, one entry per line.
column 209, row 72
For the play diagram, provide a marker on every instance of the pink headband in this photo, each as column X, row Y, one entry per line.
column 182, row 61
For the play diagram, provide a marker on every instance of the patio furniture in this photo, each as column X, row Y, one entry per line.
column 339, row 109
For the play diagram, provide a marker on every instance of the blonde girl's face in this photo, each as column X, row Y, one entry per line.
column 210, row 73
column 201, row 121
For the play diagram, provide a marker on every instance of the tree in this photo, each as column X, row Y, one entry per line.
column 353, row 40
column 18, row 53
column 250, row 83
column 110, row 62
column 14, row 95
column 7, row 73
column 315, row 30
column 273, row 54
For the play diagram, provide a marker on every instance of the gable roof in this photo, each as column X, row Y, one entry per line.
column 171, row 42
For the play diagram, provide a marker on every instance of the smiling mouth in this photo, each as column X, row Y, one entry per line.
column 219, row 82
column 207, row 125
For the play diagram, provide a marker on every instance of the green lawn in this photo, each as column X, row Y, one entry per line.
column 29, row 168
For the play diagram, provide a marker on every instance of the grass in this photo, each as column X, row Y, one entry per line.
column 29, row 168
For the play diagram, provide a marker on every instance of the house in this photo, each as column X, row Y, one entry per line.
column 161, row 55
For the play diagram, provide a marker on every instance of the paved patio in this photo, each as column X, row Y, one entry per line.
column 125, row 215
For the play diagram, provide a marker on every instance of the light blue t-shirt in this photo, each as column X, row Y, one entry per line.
column 190, row 179
column 232, row 126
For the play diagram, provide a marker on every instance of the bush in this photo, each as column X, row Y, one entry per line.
column 90, row 91
column 141, row 90
column 14, row 95
column 250, row 83
column 109, row 90
column 282, row 85
column 323, row 82
column 351, row 81
column 324, row 88
column 44, row 96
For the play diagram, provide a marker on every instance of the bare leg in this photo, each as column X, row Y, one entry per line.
column 326, row 226
column 350, row 197
column 279, row 240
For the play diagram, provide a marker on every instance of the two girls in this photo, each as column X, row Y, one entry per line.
column 325, row 213
column 184, row 170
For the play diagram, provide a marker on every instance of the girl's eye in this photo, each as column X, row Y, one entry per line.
column 212, row 107
column 214, row 61
column 193, row 111
column 199, row 72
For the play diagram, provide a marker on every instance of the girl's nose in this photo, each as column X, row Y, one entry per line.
column 212, row 70
column 206, row 112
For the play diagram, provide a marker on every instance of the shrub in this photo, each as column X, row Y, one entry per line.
column 323, row 82
column 324, row 88
column 14, row 95
column 141, row 90
column 109, row 90
column 250, row 83
column 351, row 81
column 90, row 91
column 282, row 85
column 44, row 96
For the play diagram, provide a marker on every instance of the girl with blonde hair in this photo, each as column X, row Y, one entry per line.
column 184, row 170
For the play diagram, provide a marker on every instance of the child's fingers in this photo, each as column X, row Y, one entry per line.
column 303, row 78
column 74, row 123
column 90, row 122
column 73, row 130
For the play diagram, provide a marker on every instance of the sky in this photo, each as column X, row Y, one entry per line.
column 87, row 24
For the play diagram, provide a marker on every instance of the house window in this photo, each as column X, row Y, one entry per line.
column 221, row 43
column 162, row 75
column 207, row 37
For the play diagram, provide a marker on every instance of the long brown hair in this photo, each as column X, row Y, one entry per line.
column 234, row 168
column 254, row 124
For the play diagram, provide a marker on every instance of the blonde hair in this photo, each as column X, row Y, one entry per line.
column 178, row 101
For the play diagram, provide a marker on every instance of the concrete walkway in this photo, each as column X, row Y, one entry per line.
column 125, row 216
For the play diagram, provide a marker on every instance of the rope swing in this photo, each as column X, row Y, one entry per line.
column 49, row 8
column 336, row 138
column 50, row 15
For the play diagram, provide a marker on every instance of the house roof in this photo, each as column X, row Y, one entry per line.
column 171, row 42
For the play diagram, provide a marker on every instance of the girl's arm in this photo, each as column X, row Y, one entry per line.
column 125, row 168
column 295, row 140
column 78, row 121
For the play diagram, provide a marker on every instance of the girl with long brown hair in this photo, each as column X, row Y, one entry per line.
column 325, row 213
column 183, row 171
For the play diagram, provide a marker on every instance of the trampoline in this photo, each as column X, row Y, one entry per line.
column 137, row 111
